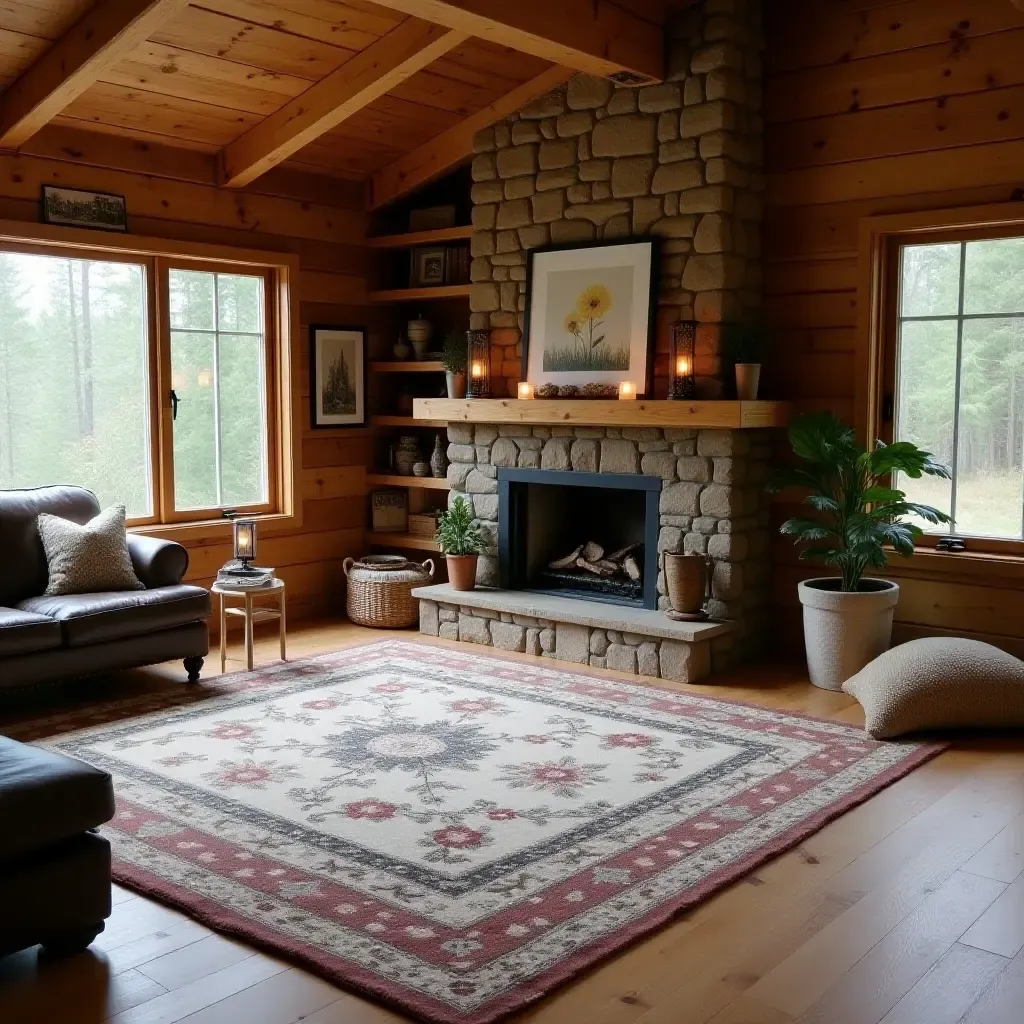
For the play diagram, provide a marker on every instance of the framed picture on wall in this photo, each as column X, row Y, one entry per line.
column 337, row 376
column 78, row 209
column 426, row 268
column 590, row 313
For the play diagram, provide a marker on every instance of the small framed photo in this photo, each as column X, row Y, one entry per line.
column 75, row 208
column 427, row 267
column 337, row 376
column 590, row 314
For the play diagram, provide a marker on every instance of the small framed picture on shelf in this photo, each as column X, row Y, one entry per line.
column 427, row 265
column 432, row 218
column 337, row 376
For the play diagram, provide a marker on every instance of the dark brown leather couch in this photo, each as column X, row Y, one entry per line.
column 46, row 638
column 54, row 870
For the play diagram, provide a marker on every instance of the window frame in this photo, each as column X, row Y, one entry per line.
column 881, row 242
column 281, row 332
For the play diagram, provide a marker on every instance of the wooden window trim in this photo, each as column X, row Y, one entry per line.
column 878, row 288
column 281, row 270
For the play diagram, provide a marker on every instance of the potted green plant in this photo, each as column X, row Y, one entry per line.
column 860, row 515
column 745, row 344
column 459, row 538
column 454, row 362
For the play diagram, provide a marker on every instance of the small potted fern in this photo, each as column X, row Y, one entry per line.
column 859, row 516
column 454, row 362
column 459, row 538
column 745, row 345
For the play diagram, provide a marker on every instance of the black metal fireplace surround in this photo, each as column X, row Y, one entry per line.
column 545, row 514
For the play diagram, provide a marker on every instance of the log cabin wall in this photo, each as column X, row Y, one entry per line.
column 171, row 195
column 873, row 107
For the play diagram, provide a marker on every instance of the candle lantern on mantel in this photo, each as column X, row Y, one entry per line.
column 682, row 383
column 479, row 385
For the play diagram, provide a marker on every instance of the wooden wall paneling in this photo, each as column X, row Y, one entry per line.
column 878, row 107
column 331, row 470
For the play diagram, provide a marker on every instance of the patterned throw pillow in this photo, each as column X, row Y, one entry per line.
column 87, row 559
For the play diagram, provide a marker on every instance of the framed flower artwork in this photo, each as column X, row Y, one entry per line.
column 590, row 314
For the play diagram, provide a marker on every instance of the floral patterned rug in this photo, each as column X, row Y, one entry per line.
column 456, row 833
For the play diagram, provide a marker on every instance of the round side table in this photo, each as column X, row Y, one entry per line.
column 251, row 614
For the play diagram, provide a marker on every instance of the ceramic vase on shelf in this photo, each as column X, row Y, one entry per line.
column 439, row 459
column 418, row 331
column 748, row 376
column 686, row 580
column 407, row 454
column 421, row 469
column 401, row 350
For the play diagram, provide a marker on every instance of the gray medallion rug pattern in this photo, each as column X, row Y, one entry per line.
column 456, row 833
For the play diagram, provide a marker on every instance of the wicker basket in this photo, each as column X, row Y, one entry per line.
column 379, row 590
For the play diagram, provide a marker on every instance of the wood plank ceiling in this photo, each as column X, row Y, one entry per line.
column 207, row 76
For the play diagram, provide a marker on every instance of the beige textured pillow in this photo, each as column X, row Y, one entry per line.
column 940, row 683
column 87, row 559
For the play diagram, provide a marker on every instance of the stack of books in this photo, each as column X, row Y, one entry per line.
column 235, row 574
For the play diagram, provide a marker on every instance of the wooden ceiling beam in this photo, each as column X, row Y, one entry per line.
column 438, row 155
column 363, row 78
column 597, row 36
column 104, row 35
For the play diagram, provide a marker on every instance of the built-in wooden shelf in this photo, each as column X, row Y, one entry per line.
column 423, row 366
column 429, row 483
column 444, row 291
column 406, row 421
column 402, row 541
column 638, row 413
column 456, row 234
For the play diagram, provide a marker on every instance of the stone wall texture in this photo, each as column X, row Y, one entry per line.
column 713, row 501
column 681, row 160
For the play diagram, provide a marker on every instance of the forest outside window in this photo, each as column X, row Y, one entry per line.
column 149, row 381
column 959, row 380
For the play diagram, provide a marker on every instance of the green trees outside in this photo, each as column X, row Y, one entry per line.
column 75, row 381
column 989, row 456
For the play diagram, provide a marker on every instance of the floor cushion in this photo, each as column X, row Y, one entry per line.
column 940, row 683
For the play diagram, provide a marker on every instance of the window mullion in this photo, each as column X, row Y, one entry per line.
column 957, row 384
column 217, row 439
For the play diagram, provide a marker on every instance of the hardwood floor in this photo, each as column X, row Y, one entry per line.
column 907, row 910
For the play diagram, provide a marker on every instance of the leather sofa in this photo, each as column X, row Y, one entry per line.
column 54, row 870
column 47, row 638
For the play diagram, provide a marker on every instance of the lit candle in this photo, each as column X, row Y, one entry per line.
column 682, row 366
column 627, row 390
column 525, row 390
column 477, row 370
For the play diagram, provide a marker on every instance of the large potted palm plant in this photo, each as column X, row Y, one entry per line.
column 860, row 516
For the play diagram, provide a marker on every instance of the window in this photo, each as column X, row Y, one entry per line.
column 148, row 380
column 959, row 378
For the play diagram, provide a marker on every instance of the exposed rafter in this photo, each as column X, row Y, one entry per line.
column 596, row 36
column 406, row 49
column 451, row 147
column 105, row 34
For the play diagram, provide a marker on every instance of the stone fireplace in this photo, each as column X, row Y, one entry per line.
column 707, row 487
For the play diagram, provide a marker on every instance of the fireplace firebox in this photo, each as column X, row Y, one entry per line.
column 592, row 536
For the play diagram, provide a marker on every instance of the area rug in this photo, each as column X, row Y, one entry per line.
column 455, row 833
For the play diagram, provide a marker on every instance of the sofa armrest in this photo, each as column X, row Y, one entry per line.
column 157, row 563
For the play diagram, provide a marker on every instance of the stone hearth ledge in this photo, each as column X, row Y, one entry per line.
column 585, row 632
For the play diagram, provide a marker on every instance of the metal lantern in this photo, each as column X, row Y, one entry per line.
column 479, row 384
column 683, row 342
column 245, row 540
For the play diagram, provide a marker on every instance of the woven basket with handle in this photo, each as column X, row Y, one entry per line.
column 379, row 590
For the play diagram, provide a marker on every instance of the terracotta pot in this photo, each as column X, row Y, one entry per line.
column 686, row 578
column 748, row 376
column 462, row 571
column 456, row 384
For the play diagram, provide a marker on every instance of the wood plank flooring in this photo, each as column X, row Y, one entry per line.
column 907, row 910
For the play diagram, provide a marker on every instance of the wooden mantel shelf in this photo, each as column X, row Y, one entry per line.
column 640, row 413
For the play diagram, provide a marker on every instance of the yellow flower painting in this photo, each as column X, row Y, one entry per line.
column 590, row 349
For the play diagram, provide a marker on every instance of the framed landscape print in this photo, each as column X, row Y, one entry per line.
column 427, row 267
column 337, row 376
column 590, row 314
column 78, row 209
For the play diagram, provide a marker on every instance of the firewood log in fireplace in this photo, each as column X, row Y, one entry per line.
column 590, row 558
column 601, row 568
column 593, row 552
column 568, row 562
column 631, row 568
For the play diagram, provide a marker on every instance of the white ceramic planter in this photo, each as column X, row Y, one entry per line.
column 748, row 377
column 843, row 632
